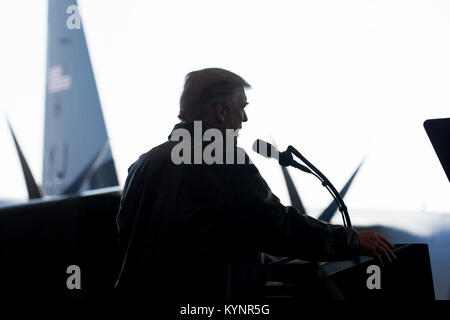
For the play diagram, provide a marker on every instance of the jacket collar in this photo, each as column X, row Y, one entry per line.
column 189, row 126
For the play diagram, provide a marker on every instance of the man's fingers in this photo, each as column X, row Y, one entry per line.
column 387, row 242
column 379, row 258
column 376, row 255
column 383, row 250
column 386, row 247
column 376, row 245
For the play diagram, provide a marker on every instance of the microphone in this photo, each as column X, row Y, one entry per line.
column 266, row 149
column 285, row 159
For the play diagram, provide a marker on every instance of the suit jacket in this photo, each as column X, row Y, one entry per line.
column 181, row 223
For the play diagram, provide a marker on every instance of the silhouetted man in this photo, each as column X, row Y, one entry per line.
column 187, row 210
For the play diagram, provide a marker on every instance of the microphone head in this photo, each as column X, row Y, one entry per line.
column 265, row 149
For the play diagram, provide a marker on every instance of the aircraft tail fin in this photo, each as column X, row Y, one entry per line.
column 296, row 202
column 329, row 212
column 34, row 192
column 77, row 153
column 294, row 196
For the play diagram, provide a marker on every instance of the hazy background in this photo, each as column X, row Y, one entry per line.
column 339, row 80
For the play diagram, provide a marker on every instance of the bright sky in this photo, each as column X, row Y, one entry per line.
column 339, row 80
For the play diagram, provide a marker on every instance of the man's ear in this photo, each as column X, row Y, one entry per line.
column 220, row 112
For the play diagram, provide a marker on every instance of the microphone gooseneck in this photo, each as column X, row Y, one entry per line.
column 286, row 159
column 327, row 184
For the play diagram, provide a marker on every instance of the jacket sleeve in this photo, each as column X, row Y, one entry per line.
column 263, row 222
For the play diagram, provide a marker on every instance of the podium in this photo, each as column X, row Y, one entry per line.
column 407, row 277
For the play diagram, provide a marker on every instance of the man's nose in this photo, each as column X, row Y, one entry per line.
column 245, row 117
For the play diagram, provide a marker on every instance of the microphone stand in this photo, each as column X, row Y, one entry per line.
column 286, row 159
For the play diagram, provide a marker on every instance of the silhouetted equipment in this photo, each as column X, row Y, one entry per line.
column 438, row 131
column 40, row 239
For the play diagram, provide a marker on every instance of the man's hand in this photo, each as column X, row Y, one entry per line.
column 375, row 245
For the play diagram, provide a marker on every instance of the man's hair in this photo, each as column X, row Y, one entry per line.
column 206, row 88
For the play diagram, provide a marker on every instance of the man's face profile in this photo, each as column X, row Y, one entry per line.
column 235, row 113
